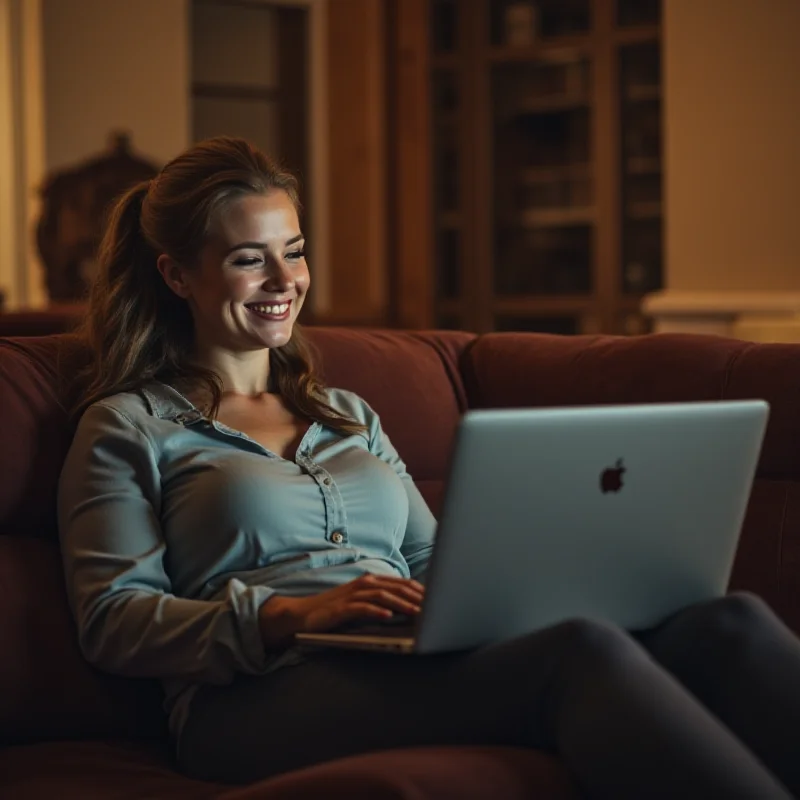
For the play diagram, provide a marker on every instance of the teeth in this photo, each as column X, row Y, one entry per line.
column 275, row 310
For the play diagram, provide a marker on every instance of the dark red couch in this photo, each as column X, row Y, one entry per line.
column 69, row 732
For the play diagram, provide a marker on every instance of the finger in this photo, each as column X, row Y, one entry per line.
column 409, row 589
column 392, row 579
column 388, row 600
column 404, row 593
column 362, row 610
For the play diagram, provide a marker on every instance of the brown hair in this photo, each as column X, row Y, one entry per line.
column 136, row 328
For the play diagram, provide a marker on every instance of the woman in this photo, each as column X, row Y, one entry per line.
column 217, row 499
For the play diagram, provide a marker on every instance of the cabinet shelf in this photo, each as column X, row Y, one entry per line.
column 445, row 61
column 562, row 172
column 446, row 119
column 643, row 165
column 551, row 104
column 643, row 34
column 644, row 210
column 560, row 48
column 642, row 94
column 553, row 217
column 542, row 304
column 449, row 219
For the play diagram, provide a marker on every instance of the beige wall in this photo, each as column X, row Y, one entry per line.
column 732, row 146
column 21, row 151
column 115, row 64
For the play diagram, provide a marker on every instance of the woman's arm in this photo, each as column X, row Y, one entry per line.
column 128, row 620
column 421, row 527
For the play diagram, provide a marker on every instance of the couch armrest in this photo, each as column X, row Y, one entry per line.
column 435, row 773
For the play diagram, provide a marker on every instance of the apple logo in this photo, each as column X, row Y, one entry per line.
column 611, row 478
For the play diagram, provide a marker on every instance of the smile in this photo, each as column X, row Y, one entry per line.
column 270, row 311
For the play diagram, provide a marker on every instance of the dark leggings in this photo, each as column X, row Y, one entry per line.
column 619, row 711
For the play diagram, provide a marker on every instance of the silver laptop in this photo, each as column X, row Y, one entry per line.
column 618, row 513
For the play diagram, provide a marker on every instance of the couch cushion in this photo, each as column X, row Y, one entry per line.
column 95, row 770
column 47, row 689
column 768, row 557
column 431, row 773
column 505, row 370
column 36, row 433
column 119, row 771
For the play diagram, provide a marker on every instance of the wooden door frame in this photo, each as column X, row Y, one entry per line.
column 411, row 257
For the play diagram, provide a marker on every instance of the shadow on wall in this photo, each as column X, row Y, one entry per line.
column 75, row 203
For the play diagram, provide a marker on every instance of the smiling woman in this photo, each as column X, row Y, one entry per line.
column 202, row 275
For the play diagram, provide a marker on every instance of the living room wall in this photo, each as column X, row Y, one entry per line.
column 110, row 65
column 732, row 129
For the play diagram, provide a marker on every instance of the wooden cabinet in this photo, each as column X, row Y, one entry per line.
column 526, row 141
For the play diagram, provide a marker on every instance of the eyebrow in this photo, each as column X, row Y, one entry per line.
column 262, row 245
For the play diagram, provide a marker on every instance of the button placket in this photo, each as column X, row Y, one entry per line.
column 335, row 518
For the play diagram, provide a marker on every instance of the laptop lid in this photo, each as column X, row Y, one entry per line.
column 619, row 513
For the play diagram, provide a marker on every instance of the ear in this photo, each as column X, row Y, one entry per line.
column 174, row 276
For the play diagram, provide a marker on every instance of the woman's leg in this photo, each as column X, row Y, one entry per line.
column 623, row 726
column 743, row 663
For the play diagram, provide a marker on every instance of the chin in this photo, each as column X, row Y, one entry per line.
column 274, row 338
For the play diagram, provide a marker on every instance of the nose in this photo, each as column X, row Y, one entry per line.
column 277, row 276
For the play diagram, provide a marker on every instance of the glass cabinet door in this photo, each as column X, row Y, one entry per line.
column 543, row 192
column 546, row 166
column 447, row 162
column 639, row 69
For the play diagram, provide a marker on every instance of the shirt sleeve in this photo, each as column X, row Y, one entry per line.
column 421, row 527
column 129, row 621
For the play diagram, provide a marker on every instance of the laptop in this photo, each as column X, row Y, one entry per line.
column 624, row 514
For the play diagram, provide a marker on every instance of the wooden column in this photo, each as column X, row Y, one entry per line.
column 358, row 164
column 411, row 209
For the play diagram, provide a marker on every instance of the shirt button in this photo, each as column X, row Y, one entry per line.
column 327, row 481
column 336, row 537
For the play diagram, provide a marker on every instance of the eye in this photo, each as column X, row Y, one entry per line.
column 296, row 255
column 247, row 261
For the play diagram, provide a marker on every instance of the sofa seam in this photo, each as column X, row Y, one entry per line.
column 454, row 375
column 733, row 360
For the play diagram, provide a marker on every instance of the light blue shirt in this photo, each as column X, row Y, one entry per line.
column 175, row 529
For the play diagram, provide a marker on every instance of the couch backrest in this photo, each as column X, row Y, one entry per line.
column 504, row 370
column 419, row 383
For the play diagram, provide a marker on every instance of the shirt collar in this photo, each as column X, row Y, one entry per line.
column 165, row 402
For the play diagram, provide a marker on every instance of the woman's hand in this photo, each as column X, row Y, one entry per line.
column 370, row 597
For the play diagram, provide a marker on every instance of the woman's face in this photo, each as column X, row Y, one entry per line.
column 252, row 277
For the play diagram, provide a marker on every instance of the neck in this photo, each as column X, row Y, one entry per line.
column 241, row 373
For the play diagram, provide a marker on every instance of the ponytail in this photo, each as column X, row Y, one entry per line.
column 123, row 326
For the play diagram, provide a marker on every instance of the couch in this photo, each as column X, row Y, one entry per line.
column 68, row 731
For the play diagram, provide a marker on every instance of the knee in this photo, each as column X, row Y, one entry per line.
column 720, row 629
column 597, row 643
column 735, row 616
